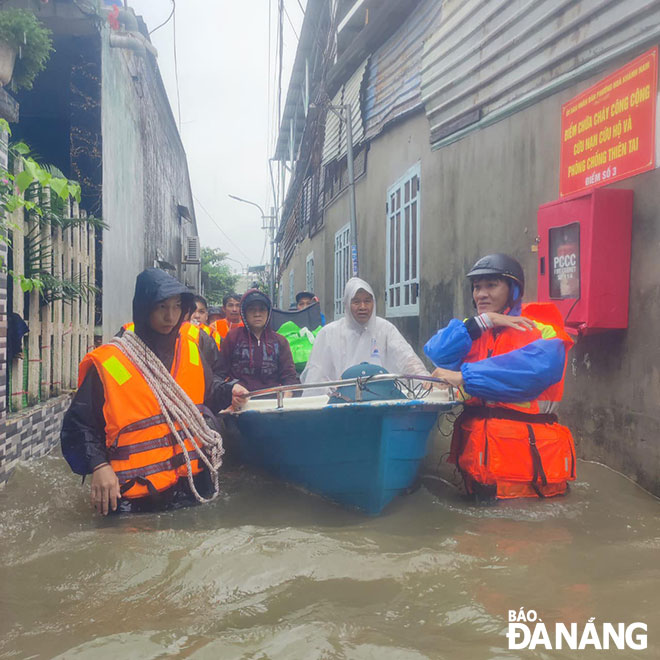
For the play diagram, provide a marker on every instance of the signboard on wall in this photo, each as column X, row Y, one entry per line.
column 564, row 257
column 608, row 131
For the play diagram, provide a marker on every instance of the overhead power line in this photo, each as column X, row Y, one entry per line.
column 166, row 21
column 290, row 22
column 222, row 231
column 176, row 65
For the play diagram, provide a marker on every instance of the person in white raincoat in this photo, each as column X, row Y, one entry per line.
column 360, row 336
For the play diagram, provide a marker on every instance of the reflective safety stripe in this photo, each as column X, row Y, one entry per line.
column 193, row 331
column 143, row 424
column 164, row 466
column 123, row 453
column 129, row 326
column 517, row 404
column 547, row 331
column 116, row 369
column 154, row 421
column 194, row 353
column 522, row 404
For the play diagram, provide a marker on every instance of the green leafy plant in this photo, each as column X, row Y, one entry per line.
column 219, row 279
column 32, row 41
column 27, row 190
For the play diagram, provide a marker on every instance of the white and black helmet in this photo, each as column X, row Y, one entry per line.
column 502, row 265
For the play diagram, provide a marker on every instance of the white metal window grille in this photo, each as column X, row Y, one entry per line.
column 402, row 245
column 280, row 296
column 292, row 291
column 309, row 272
column 342, row 267
column 191, row 250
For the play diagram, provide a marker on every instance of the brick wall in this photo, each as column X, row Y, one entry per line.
column 30, row 433
column 3, row 335
column 3, row 322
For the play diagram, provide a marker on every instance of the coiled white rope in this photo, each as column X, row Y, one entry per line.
column 177, row 408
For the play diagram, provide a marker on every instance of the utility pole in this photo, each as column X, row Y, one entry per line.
column 270, row 227
column 271, row 277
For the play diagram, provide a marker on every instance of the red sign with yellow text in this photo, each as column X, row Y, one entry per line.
column 608, row 131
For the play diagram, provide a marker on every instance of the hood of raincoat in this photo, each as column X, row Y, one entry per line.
column 352, row 287
column 151, row 287
column 254, row 295
column 346, row 342
column 268, row 335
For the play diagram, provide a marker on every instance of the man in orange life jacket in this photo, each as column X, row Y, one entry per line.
column 113, row 428
column 231, row 306
column 509, row 363
column 200, row 318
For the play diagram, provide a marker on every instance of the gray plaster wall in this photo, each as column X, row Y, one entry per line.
column 481, row 195
column 123, row 208
column 145, row 177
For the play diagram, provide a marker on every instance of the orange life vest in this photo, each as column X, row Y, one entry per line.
column 517, row 448
column 140, row 447
column 213, row 333
column 223, row 326
column 187, row 330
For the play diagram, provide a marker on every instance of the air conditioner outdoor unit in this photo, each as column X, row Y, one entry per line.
column 192, row 253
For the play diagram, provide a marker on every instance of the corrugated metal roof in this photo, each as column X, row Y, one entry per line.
column 488, row 53
column 335, row 131
column 352, row 97
column 393, row 85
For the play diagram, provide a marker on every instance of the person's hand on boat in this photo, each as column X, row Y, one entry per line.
column 105, row 489
column 517, row 322
column 238, row 397
column 454, row 378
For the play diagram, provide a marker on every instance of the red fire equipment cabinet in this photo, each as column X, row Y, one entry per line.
column 584, row 258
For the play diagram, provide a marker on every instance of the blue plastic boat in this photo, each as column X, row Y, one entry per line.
column 360, row 455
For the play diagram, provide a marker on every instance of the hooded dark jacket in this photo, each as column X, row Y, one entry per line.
column 257, row 363
column 83, row 428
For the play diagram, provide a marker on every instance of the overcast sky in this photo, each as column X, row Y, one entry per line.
column 227, row 126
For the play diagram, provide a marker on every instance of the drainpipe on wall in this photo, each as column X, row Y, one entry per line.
column 132, row 41
column 130, row 37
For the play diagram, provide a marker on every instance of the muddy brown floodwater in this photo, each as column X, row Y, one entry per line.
column 270, row 572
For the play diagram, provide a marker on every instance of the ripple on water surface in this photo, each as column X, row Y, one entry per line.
column 271, row 572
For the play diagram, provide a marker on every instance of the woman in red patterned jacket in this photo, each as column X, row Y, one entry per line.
column 254, row 354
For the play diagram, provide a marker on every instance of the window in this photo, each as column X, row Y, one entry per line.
column 292, row 291
column 342, row 266
column 335, row 173
column 402, row 269
column 309, row 272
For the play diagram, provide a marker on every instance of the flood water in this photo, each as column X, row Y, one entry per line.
column 270, row 572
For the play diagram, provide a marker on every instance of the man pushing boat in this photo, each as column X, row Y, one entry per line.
column 509, row 361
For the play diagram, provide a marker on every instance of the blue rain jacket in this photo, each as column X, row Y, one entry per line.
column 521, row 374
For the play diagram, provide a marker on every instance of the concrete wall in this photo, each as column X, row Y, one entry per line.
column 481, row 195
column 145, row 177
